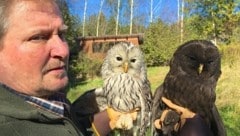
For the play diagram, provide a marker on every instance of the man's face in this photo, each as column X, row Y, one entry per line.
column 34, row 57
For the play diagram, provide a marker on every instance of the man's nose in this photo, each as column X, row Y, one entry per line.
column 59, row 47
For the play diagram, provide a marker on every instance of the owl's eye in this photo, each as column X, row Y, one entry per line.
column 133, row 60
column 192, row 58
column 210, row 61
column 119, row 59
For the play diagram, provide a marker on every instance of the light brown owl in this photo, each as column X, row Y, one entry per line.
column 126, row 86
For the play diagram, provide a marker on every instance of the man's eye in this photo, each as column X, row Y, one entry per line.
column 62, row 35
column 39, row 38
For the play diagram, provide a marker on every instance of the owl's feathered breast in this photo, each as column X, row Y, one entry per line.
column 189, row 91
column 123, row 91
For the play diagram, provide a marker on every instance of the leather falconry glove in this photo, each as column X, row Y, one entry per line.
column 183, row 112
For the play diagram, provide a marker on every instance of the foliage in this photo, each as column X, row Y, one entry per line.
column 80, row 66
column 214, row 18
column 110, row 30
column 83, row 68
column 160, row 41
column 72, row 23
column 71, row 35
column 91, row 22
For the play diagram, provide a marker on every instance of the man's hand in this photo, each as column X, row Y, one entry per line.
column 121, row 120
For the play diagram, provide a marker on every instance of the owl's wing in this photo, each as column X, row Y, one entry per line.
column 157, row 105
column 217, row 125
column 147, row 104
column 147, row 95
column 89, row 103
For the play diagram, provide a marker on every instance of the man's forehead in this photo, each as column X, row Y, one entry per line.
column 42, row 6
column 37, row 18
column 32, row 10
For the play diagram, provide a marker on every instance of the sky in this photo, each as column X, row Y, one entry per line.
column 166, row 10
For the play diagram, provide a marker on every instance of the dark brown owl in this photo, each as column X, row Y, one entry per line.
column 191, row 82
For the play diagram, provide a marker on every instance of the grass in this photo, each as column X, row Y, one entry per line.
column 228, row 96
column 228, row 101
column 84, row 86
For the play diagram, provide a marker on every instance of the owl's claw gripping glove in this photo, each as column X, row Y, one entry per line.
column 183, row 112
column 121, row 120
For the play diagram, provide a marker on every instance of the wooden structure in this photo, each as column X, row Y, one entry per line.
column 96, row 47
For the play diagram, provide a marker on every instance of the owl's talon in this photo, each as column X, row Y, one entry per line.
column 124, row 122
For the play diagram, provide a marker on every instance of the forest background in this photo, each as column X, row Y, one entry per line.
column 215, row 20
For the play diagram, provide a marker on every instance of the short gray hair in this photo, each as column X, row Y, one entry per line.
column 5, row 11
column 5, row 6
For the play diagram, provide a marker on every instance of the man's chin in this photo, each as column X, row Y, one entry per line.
column 47, row 92
column 51, row 89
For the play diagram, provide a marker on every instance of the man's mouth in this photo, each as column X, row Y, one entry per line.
column 57, row 69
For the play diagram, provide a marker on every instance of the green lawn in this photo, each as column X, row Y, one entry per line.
column 228, row 96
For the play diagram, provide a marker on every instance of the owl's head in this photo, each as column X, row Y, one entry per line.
column 123, row 58
column 197, row 58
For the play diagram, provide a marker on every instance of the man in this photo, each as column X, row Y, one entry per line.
column 33, row 73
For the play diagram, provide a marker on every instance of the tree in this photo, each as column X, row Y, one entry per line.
column 115, row 10
column 117, row 20
column 151, row 11
column 99, row 15
column 71, row 36
column 160, row 41
column 214, row 18
column 91, row 25
column 84, row 17
column 111, row 26
column 131, row 16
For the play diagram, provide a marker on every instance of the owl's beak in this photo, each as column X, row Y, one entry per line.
column 125, row 67
column 200, row 68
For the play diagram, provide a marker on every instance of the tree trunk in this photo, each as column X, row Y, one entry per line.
column 151, row 11
column 99, row 16
column 182, row 18
column 84, row 17
column 117, row 20
column 131, row 17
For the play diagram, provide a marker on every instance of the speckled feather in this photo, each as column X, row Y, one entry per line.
column 126, row 91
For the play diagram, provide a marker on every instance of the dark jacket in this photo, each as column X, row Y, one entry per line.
column 18, row 118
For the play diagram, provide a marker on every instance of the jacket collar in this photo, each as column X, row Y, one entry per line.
column 14, row 106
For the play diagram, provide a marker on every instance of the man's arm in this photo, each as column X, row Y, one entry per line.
column 100, row 124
